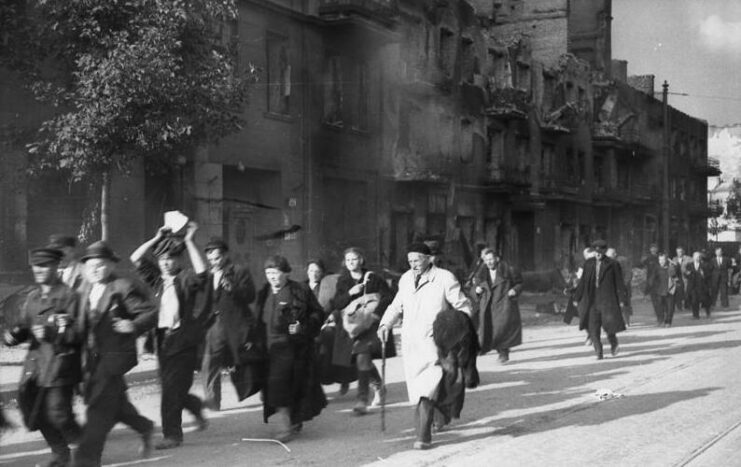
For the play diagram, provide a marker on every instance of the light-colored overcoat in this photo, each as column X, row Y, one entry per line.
column 437, row 290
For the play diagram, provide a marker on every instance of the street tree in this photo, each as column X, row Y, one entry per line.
column 129, row 80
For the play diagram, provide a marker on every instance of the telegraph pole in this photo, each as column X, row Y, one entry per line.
column 665, row 172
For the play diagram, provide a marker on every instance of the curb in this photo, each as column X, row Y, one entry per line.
column 9, row 392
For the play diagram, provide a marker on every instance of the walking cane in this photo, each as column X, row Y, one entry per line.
column 383, row 382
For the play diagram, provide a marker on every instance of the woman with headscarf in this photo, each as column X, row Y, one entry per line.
column 292, row 318
column 354, row 282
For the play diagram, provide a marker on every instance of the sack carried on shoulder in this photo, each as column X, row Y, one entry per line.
column 358, row 316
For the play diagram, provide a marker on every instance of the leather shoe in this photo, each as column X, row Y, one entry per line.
column 422, row 446
column 600, row 356
column 212, row 405
column 168, row 443
column 360, row 408
column 201, row 422
column 145, row 450
column 614, row 350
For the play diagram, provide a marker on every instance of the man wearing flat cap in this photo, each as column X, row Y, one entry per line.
column 424, row 291
column 52, row 365
column 113, row 312
column 233, row 326
column 601, row 293
column 70, row 269
column 182, row 317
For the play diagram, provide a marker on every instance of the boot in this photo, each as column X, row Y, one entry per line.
column 361, row 406
column 424, row 417
column 379, row 391
column 285, row 429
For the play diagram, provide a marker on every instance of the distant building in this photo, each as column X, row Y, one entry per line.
column 378, row 122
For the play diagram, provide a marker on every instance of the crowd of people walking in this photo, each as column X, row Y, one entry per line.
column 200, row 311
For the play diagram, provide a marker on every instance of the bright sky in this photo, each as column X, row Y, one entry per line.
column 693, row 44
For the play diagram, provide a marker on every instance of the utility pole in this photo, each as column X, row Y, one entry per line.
column 665, row 172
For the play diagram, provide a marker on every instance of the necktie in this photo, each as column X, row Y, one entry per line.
column 416, row 280
column 169, row 312
column 596, row 279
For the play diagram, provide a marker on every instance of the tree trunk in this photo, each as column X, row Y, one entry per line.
column 105, row 195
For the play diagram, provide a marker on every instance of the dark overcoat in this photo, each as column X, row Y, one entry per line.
column 457, row 348
column 108, row 353
column 294, row 357
column 55, row 360
column 52, row 361
column 697, row 282
column 231, row 302
column 498, row 321
column 603, row 294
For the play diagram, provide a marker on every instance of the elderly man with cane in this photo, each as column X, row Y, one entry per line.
column 424, row 292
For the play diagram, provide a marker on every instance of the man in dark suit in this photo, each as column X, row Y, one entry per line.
column 234, row 324
column 52, row 365
column 182, row 319
column 697, row 281
column 602, row 291
column 112, row 313
column 719, row 278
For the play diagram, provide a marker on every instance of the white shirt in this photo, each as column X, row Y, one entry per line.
column 217, row 278
column 96, row 292
column 493, row 275
column 169, row 312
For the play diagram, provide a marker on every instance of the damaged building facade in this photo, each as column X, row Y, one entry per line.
column 379, row 122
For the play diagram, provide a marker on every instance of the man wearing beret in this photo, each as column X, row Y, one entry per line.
column 113, row 312
column 181, row 323
column 52, row 365
column 424, row 291
column 233, row 326
column 601, row 293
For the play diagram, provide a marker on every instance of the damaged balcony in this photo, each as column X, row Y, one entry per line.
column 381, row 12
column 708, row 168
column 560, row 185
column 611, row 134
column 410, row 166
column 508, row 103
column 509, row 176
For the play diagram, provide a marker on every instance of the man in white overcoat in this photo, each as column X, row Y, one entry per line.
column 424, row 291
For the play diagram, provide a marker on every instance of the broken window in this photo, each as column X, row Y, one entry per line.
column 359, row 89
column 436, row 208
column 549, row 91
column 547, row 152
column 279, row 74
column 581, row 161
column 333, row 91
column 447, row 51
column 468, row 60
column 599, row 169
column 496, row 151
column 523, row 75
column 405, row 110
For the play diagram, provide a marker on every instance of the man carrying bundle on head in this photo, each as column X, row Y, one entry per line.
column 181, row 323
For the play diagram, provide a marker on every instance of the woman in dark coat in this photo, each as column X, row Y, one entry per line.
column 499, row 325
column 355, row 280
column 324, row 287
column 292, row 318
